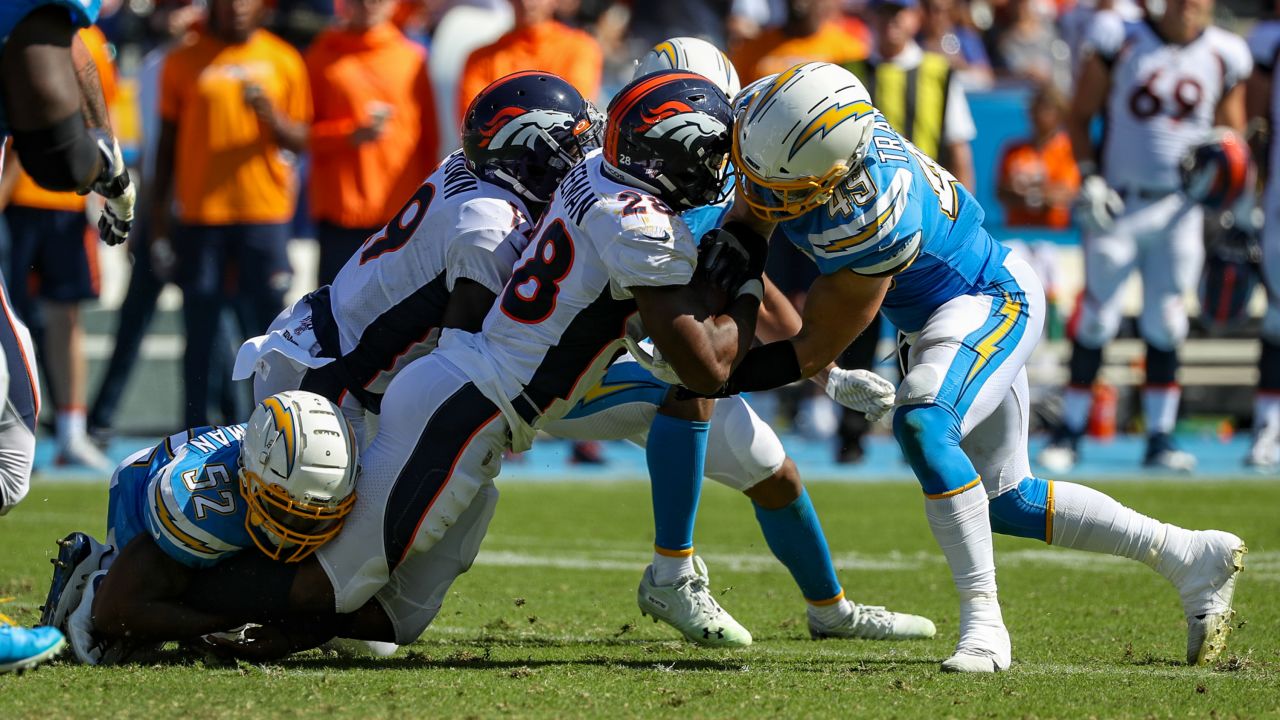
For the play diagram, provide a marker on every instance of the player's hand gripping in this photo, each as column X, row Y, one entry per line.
column 116, row 188
column 1098, row 205
column 732, row 259
column 861, row 391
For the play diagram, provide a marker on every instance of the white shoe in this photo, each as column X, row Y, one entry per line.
column 79, row 626
column 984, row 645
column 79, row 555
column 687, row 605
column 81, row 452
column 1264, row 453
column 348, row 648
column 1207, row 588
column 872, row 622
column 1163, row 452
column 1056, row 459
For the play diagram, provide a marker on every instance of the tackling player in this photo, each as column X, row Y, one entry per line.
column 46, row 77
column 1161, row 86
column 893, row 231
column 283, row 483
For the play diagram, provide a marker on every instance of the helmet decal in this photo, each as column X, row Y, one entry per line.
column 666, row 110
column 684, row 128
column 766, row 94
column 523, row 128
column 668, row 49
column 828, row 120
column 283, row 417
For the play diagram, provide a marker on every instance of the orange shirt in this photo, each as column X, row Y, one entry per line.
column 227, row 169
column 773, row 51
column 26, row 192
column 551, row 47
column 355, row 76
column 1025, row 167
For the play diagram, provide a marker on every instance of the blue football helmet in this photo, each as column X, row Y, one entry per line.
column 670, row 133
column 525, row 131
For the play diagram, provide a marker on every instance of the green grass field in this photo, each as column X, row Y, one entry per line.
column 546, row 624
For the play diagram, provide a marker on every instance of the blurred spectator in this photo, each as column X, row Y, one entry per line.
column 537, row 42
column 811, row 32
column 54, row 258
column 1029, row 48
column 1038, row 177
column 373, row 135
column 298, row 22
column 653, row 21
column 948, row 30
column 234, row 104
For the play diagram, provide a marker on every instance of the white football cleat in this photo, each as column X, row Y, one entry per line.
column 687, row 605
column 81, row 452
column 1207, row 589
column 348, row 648
column 79, row 555
column 1264, row 453
column 984, row 645
column 1164, row 453
column 872, row 622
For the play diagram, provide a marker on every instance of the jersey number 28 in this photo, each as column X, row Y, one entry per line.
column 530, row 295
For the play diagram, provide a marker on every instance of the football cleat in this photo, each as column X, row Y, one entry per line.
column 1207, row 588
column 24, row 648
column 81, row 452
column 1162, row 453
column 79, row 555
column 984, row 645
column 1061, row 454
column 872, row 622
column 687, row 605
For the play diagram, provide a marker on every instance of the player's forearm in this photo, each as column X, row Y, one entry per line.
column 158, row 620
column 778, row 319
column 93, row 102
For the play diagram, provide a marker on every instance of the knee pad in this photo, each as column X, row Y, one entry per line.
column 742, row 450
column 1023, row 510
column 1085, row 363
column 1098, row 324
column 929, row 436
column 1165, row 325
column 1162, row 366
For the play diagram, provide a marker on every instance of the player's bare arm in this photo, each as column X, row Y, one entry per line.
column 1257, row 103
column 1231, row 111
column 1091, row 94
column 702, row 347
column 468, row 304
column 93, row 101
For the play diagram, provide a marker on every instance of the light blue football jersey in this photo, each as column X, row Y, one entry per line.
column 187, row 498
column 902, row 214
column 702, row 220
column 83, row 14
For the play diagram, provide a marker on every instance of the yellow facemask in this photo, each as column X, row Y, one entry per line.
column 299, row 527
column 779, row 200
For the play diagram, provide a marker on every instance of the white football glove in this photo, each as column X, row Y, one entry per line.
column 117, row 190
column 861, row 391
column 1097, row 206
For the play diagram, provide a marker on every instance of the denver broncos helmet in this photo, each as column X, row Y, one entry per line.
column 525, row 131
column 669, row 133
column 1216, row 172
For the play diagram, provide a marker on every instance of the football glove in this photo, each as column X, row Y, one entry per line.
column 861, row 391
column 1097, row 206
column 117, row 190
column 730, row 258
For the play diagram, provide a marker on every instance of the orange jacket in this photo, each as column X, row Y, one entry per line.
column 551, row 47
column 773, row 51
column 227, row 169
column 1026, row 167
column 26, row 192
column 355, row 77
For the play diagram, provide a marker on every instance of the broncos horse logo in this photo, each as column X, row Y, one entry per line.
column 677, row 121
column 517, row 127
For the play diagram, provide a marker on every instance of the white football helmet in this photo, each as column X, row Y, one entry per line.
column 799, row 137
column 298, row 467
column 744, row 96
column 694, row 55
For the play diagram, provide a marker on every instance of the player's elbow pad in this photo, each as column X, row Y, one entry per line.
column 60, row 157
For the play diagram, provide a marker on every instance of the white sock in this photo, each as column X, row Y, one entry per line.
column 1266, row 411
column 962, row 526
column 1085, row 519
column 667, row 569
column 1076, row 403
column 1160, row 407
column 832, row 613
column 70, row 424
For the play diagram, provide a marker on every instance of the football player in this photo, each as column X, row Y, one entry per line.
column 1161, row 86
column 892, row 231
column 1264, row 101
column 46, row 77
column 283, row 483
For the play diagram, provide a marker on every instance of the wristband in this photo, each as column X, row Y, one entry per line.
column 753, row 287
column 764, row 368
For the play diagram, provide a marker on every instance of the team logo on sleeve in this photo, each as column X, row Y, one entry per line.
column 675, row 120
column 517, row 127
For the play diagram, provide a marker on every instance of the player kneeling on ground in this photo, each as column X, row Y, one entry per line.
column 283, row 483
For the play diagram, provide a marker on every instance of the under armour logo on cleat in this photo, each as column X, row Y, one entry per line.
column 707, row 632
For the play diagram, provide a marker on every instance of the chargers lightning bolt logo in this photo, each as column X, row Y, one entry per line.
column 829, row 120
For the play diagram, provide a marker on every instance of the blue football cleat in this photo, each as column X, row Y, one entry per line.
column 79, row 555
column 24, row 648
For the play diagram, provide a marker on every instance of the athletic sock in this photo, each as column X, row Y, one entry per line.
column 667, row 569
column 1266, row 411
column 962, row 526
column 795, row 536
column 1076, row 403
column 1085, row 519
column 1160, row 407
column 831, row 614
column 676, row 452
column 70, row 425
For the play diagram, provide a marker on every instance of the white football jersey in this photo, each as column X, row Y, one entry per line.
column 1264, row 46
column 566, row 312
column 389, row 299
column 1163, row 96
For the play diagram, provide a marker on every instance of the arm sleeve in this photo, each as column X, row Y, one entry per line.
column 1237, row 62
column 649, row 250
column 957, row 125
column 479, row 249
